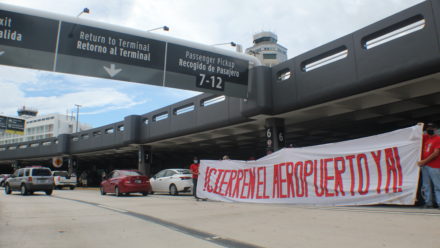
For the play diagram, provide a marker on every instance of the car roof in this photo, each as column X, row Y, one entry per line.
column 177, row 169
column 127, row 170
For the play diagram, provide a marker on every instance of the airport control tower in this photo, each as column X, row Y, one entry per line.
column 266, row 49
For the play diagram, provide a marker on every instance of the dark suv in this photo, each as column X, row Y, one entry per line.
column 29, row 180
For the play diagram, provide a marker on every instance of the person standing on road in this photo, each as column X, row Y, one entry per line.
column 84, row 178
column 430, row 164
column 194, row 167
column 103, row 175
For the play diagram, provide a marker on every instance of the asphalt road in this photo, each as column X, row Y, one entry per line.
column 84, row 218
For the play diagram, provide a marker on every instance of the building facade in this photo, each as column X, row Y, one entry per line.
column 41, row 127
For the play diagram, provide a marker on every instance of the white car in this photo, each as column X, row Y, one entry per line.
column 172, row 181
column 3, row 178
column 63, row 179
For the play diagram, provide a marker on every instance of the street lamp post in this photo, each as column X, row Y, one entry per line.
column 226, row 43
column 164, row 28
column 85, row 10
column 233, row 44
column 77, row 116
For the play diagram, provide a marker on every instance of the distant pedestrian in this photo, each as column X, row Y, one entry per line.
column 226, row 157
column 430, row 164
column 194, row 167
column 251, row 158
column 84, row 178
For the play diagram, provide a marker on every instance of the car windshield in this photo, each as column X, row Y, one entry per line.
column 41, row 172
column 131, row 173
column 60, row 173
column 183, row 171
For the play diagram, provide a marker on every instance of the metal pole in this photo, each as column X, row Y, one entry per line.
column 77, row 116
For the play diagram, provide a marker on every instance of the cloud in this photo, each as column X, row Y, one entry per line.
column 9, row 95
column 51, row 93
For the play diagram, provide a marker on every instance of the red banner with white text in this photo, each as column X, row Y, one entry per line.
column 379, row 169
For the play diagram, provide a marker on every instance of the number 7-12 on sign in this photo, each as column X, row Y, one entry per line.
column 212, row 82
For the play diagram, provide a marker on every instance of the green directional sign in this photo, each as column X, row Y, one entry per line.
column 103, row 53
column 27, row 41
column 206, row 71
column 49, row 42
column 12, row 125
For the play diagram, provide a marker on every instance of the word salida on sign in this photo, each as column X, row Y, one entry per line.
column 348, row 175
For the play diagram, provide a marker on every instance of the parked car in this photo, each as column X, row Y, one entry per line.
column 3, row 178
column 63, row 179
column 31, row 179
column 172, row 181
column 125, row 181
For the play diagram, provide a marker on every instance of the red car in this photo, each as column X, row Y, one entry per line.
column 125, row 181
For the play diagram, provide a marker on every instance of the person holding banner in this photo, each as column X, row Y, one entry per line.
column 430, row 164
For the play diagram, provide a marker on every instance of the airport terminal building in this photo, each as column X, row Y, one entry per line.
column 382, row 77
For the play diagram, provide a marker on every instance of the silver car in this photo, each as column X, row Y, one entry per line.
column 29, row 180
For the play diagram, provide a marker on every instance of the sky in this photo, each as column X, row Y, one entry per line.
column 301, row 25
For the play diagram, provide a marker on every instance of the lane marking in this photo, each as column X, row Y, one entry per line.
column 115, row 209
column 209, row 237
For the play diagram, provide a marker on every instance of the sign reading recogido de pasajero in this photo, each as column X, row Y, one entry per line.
column 45, row 41
column 380, row 169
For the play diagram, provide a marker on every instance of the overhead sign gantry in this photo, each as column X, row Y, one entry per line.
column 45, row 41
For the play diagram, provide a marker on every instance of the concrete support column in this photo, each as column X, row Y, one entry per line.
column 274, row 134
column 72, row 166
column 15, row 165
column 144, row 159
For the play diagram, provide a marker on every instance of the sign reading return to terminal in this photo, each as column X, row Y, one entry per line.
column 46, row 43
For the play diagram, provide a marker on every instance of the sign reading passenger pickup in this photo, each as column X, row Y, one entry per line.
column 45, row 41
column 207, row 70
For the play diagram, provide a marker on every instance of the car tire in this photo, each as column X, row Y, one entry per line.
column 117, row 193
column 173, row 190
column 102, row 191
column 23, row 189
column 144, row 193
column 8, row 190
column 48, row 192
column 72, row 187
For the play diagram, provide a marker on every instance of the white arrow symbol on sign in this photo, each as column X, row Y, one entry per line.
column 2, row 52
column 112, row 71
